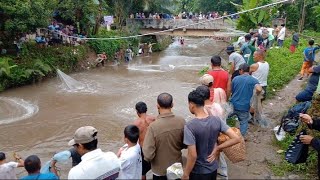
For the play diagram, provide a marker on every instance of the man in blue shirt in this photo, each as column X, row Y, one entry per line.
column 33, row 165
column 309, row 56
column 242, row 91
column 307, row 93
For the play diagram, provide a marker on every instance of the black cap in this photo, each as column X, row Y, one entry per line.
column 245, row 67
column 230, row 49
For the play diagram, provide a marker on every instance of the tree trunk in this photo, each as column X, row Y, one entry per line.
column 98, row 19
column 303, row 16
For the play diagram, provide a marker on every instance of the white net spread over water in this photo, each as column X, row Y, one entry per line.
column 71, row 83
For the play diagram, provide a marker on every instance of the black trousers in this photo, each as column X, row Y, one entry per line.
column 211, row 176
column 159, row 177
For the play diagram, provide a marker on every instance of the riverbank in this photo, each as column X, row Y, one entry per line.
column 35, row 63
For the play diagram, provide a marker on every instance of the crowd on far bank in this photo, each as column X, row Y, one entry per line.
column 181, row 15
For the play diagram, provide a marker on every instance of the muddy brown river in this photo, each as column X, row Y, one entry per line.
column 40, row 119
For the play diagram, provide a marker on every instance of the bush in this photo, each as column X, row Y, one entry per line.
column 110, row 47
column 36, row 63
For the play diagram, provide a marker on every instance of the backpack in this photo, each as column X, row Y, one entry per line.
column 291, row 121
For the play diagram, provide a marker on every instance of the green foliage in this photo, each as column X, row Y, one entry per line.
column 205, row 6
column 232, row 121
column 22, row 16
column 284, row 65
column 293, row 14
column 35, row 63
column 203, row 71
column 5, row 67
column 86, row 13
column 110, row 47
column 250, row 20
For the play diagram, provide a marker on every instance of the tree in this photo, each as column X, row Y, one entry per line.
column 250, row 20
column 293, row 13
column 19, row 16
column 85, row 14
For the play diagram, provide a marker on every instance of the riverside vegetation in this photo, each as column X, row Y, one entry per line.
column 35, row 63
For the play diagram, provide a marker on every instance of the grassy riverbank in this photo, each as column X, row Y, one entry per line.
column 35, row 63
column 305, row 170
column 284, row 65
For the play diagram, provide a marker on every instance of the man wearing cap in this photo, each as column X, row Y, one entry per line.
column 242, row 90
column 94, row 164
column 235, row 59
column 207, row 80
column 221, row 77
column 164, row 139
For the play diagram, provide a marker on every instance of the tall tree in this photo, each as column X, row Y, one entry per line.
column 21, row 16
column 81, row 12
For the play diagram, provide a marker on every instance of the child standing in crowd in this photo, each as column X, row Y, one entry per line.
column 309, row 56
column 130, row 155
column 7, row 169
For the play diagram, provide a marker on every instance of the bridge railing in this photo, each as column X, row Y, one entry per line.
column 217, row 24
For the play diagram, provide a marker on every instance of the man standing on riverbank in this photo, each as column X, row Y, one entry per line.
column 164, row 139
column 260, row 70
column 143, row 123
column 281, row 35
column 235, row 59
column 242, row 91
column 221, row 77
column 309, row 56
column 201, row 135
column 95, row 164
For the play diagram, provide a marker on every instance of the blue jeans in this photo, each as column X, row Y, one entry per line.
column 280, row 43
column 243, row 117
column 304, row 95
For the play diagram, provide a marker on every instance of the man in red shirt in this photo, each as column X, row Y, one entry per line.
column 220, row 76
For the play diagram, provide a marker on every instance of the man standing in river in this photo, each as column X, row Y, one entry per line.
column 143, row 123
column 164, row 139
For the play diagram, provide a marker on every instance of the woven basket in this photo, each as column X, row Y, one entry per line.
column 237, row 152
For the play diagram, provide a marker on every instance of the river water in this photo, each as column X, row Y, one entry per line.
column 40, row 119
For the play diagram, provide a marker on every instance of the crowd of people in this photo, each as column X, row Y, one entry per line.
column 155, row 143
column 182, row 15
column 59, row 33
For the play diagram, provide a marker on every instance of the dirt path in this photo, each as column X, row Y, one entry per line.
column 259, row 146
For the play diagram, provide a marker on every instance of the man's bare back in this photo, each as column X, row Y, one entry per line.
column 143, row 124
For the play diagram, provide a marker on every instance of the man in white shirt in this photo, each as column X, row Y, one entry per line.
column 260, row 70
column 7, row 169
column 94, row 164
column 281, row 35
column 130, row 155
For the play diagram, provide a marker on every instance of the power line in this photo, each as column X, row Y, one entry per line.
column 181, row 27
